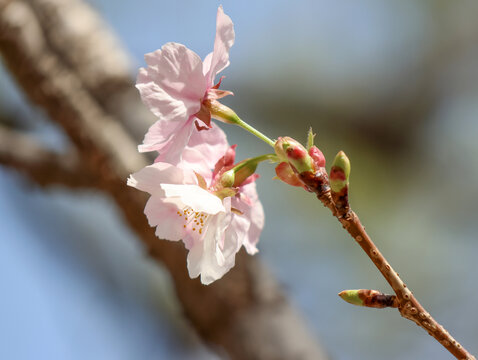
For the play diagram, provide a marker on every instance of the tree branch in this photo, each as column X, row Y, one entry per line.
column 51, row 85
column 44, row 167
column 96, row 57
column 245, row 313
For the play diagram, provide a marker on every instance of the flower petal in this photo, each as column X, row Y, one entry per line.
column 173, row 84
column 158, row 135
column 219, row 59
column 225, row 162
column 203, row 257
column 150, row 178
column 248, row 203
column 196, row 198
column 171, row 151
column 165, row 216
column 234, row 235
column 206, row 65
column 204, row 149
column 256, row 215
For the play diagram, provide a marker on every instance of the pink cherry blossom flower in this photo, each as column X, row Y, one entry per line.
column 178, row 87
column 213, row 221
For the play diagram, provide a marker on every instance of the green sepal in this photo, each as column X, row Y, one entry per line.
column 223, row 113
column 310, row 138
column 226, row 192
column 201, row 181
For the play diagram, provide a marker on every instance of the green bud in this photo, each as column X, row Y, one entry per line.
column 243, row 170
column 340, row 172
column 352, row 297
column 227, row 179
column 369, row 298
column 223, row 113
column 293, row 152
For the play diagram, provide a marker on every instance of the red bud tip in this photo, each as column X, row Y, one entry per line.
column 337, row 173
column 317, row 156
column 296, row 153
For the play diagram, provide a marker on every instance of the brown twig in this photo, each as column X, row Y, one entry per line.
column 408, row 305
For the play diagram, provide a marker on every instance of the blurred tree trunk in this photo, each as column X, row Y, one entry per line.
column 70, row 65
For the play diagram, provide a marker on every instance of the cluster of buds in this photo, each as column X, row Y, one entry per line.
column 295, row 159
column 301, row 166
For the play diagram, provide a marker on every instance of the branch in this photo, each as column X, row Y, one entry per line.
column 408, row 305
column 246, row 312
column 52, row 86
column 44, row 167
column 78, row 36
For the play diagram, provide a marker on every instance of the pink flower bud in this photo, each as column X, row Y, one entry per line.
column 286, row 174
column 317, row 157
column 290, row 150
column 279, row 148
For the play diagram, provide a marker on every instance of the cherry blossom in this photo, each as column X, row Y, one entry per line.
column 213, row 221
column 178, row 87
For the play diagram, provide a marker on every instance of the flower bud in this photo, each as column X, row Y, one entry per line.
column 290, row 150
column 241, row 174
column 317, row 156
column 369, row 298
column 227, row 179
column 279, row 150
column 243, row 171
column 222, row 112
column 352, row 297
column 286, row 174
column 340, row 172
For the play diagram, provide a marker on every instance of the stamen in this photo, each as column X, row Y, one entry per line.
column 197, row 219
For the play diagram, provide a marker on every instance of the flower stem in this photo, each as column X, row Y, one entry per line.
column 241, row 172
column 253, row 131
column 225, row 114
column 256, row 160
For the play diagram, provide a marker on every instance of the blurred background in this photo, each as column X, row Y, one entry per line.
column 392, row 83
